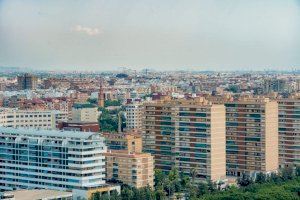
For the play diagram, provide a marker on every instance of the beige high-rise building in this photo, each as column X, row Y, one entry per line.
column 289, row 131
column 251, row 136
column 188, row 135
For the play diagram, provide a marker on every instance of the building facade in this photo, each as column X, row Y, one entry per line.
column 85, row 113
column 289, row 131
column 134, row 115
column 134, row 169
column 251, row 136
column 43, row 119
column 188, row 135
column 27, row 82
column 59, row 160
column 130, row 142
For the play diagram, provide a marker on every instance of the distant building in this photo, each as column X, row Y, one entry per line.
column 134, row 115
column 85, row 113
column 79, row 126
column 274, row 85
column 188, row 135
column 42, row 119
column 27, row 82
column 251, row 136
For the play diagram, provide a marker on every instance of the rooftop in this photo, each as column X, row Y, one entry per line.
column 39, row 194
column 47, row 133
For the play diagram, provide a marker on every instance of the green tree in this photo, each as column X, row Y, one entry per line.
column 202, row 188
column 193, row 174
column 297, row 170
column 112, row 103
column 127, row 193
column 96, row 196
column 174, row 179
column 92, row 101
column 244, row 180
column 287, row 173
column 274, row 178
column 149, row 193
column 260, row 178
column 211, row 186
column 159, row 178
column 114, row 195
column 160, row 193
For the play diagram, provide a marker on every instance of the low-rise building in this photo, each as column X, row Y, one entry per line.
column 134, row 169
column 85, row 113
column 42, row 119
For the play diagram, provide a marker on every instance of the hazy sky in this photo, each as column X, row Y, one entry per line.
column 161, row 34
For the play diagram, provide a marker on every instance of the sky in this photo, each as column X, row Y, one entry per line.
column 158, row 34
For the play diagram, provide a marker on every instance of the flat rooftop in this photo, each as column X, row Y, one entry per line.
column 39, row 194
column 47, row 133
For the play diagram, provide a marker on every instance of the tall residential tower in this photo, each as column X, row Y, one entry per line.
column 188, row 135
column 251, row 136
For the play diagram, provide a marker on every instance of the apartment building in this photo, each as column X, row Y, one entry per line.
column 85, row 113
column 62, row 104
column 134, row 169
column 134, row 112
column 289, row 131
column 58, row 160
column 251, row 136
column 187, row 134
column 44, row 119
column 27, row 82
column 125, row 161
column 130, row 142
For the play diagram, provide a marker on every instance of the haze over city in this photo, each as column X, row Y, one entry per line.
column 150, row 100
column 163, row 35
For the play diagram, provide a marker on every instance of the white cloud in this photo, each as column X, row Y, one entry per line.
column 87, row 30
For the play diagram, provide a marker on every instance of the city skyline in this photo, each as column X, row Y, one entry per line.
column 173, row 35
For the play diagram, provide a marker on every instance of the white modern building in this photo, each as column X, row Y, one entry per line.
column 49, row 159
column 134, row 114
column 42, row 119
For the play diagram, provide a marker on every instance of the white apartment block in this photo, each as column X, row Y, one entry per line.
column 43, row 119
column 50, row 159
column 134, row 114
